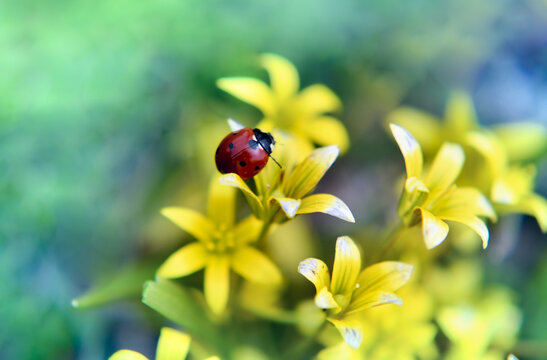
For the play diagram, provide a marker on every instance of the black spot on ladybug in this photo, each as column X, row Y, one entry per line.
column 242, row 163
column 231, row 146
column 257, row 168
column 234, row 133
column 253, row 144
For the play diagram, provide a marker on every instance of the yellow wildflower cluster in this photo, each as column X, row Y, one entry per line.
column 456, row 172
column 499, row 157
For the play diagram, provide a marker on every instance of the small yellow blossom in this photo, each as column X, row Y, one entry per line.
column 304, row 113
column 222, row 245
column 172, row 345
column 513, row 192
column 395, row 333
column 496, row 154
column 351, row 291
column 433, row 198
column 287, row 189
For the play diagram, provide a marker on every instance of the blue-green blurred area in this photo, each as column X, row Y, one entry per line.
column 100, row 103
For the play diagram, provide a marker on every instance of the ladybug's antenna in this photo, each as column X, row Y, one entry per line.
column 275, row 161
column 268, row 151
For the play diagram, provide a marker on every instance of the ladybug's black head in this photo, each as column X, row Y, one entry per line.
column 265, row 140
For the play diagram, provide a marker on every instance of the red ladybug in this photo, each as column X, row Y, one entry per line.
column 244, row 152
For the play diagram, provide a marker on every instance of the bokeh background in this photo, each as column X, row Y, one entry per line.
column 105, row 107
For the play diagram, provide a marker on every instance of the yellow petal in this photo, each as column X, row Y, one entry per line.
column 315, row 271
column 251, row 91
column 522, row 141
column 221, row 206
column 127, row 355
column 172, row 345
column 317, row 99
column 425, row 128
column 283, row 75
column 460, row 114
column 536, row 205
column 412, row 153
column 326, row 130
column 217, row 282
column 255, row 266
column 351, row 331
column 328, row 204
column 533, row 205
column 445, row 169
column 191, row 221
column 288, row 205
column 234, row 125
column 464, row 200
column 469, row 220
column 307, row 174
column 372, row 299
column 434, row 230
column 247, row 230
column 185, row 261
column 387, row 276
column 236, row 181
column 347, row 264
column 325, row 300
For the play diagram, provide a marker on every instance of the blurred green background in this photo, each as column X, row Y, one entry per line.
column 100, row 102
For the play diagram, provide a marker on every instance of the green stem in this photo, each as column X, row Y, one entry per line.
column 391, row 239
column 266, row 224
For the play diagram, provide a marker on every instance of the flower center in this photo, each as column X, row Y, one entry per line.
column 223, row 241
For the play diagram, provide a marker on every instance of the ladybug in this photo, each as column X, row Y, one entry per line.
column 244, row 152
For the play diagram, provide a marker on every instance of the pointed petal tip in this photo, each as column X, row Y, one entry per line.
column 434, row 230
column 345, row 245
column 311, row 267
column 328, row 204
column 353, row 336
column 234, row 125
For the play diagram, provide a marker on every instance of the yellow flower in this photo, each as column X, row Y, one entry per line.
column 395, row 333
column 433, row 198
column 303, row 113
column 496, row 155
column 222, row 245
column 288, row 188
column 172, row 345
column 513, row 192
column 351, row 291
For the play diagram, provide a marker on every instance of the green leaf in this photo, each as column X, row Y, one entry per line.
column 125, row 284
column 180, row 306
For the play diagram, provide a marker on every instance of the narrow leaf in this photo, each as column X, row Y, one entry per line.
column 125, row 284
column 180, row 306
